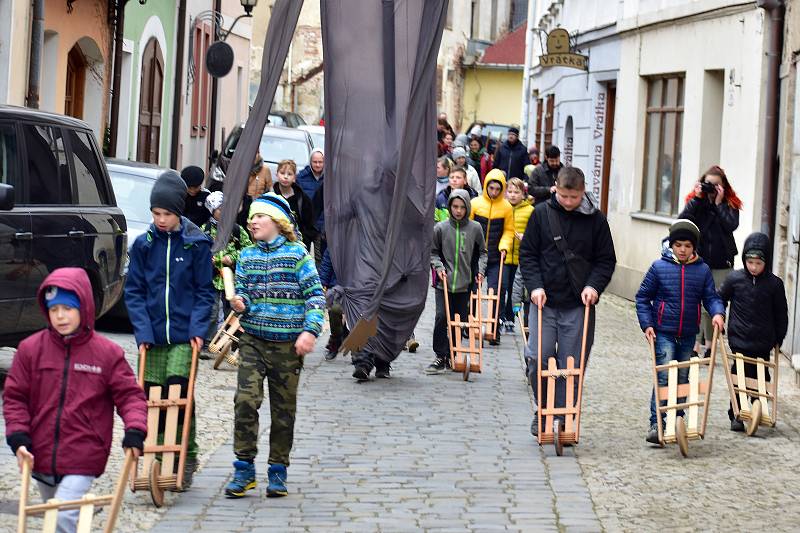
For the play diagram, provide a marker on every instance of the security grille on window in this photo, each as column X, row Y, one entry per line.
column 662, row 152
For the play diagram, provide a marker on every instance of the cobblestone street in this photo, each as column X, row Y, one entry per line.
column 434, row 453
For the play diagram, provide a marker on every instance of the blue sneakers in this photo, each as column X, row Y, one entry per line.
column 277, row 481
column 244, row 479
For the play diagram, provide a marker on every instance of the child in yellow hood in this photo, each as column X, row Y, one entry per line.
column 522, row 211
column 496, row 216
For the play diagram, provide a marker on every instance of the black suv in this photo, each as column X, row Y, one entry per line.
column 57, row 209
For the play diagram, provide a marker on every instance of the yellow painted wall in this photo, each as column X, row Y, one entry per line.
column 491, row 95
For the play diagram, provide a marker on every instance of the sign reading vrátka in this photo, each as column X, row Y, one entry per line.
column 559, row 54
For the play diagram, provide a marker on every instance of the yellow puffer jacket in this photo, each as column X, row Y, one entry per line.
column 495, row 217
column 521, row 212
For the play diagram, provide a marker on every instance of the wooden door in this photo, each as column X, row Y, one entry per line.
column 76, row 82
column 151, row 89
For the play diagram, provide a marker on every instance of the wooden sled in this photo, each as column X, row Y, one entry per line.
column 554, row 430
column 87, row 504
column 466, row 355
column 225, row 343
column 157, row 475
column 695, row 394
column 490, row 319
column 758, row 398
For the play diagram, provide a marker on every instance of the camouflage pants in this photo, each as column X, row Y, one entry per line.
column 167, row 365
column 280, row 365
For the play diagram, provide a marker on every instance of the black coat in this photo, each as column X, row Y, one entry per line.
column 717, row 224
column 195, row 208
column 542, row 178
column 758, row 317
column 543, row 265
column 511, row 159
column 303, row 210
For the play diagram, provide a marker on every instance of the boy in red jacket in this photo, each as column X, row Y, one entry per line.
column 61, row 392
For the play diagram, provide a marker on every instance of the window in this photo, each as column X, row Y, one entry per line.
column 662, row 145
column 48, row 173
column 88, row 174
column 8, row 154
column 539, row 113
column 448, row 21
column 474, row 21
column 202, row 81
column 548, row 120
column 493, row 23
column 76, row 81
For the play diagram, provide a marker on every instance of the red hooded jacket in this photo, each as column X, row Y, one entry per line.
column 61, row 392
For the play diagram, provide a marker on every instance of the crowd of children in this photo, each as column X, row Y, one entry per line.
column 559, row 257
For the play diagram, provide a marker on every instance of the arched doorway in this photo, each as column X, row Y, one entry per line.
column 84, row 82
column 76, row 82
column 151, row 89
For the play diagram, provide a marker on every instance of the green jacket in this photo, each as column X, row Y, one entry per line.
column 238, row 240
column 458, row 248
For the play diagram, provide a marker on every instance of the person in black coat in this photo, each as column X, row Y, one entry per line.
column 195, row 207
column 542, row 183
column 299, row 201
column 714, row 207
column 559, row 291
column 512, row 156
column 759, row 317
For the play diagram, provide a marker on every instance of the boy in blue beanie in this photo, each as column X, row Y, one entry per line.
column 668, row 305
column 169, row 294
column 280, row 299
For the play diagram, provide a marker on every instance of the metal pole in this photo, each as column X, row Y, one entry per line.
column 526, row 72
column 35, row 64
column 116, row 82
column 212, row 134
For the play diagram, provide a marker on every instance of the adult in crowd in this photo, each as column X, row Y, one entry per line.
column 542, row 183
column 475, row 155
column 512, row 156
column 194, row 208
column 443, row 167
column 473, row 179
column 260, row 180
column 310, row 179
column 714, row 207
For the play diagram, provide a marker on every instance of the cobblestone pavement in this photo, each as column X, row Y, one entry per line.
column 421, row 452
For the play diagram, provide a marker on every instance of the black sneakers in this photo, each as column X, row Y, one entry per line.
column 382, row 370
column 652, row 435
column 361, row 373
column 438, row 366
column 737, row 425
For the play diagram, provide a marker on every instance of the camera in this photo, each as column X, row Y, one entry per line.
column 708, row 188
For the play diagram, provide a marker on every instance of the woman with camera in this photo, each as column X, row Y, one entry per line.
column 714, row 207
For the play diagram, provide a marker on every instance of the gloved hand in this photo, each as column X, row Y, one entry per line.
column 133, row 439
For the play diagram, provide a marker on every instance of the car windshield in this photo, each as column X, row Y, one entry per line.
column 133, row 195
column 274, row 149
column 276, row 120
column 318, row 140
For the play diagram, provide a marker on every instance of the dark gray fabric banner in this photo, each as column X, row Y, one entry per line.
column 380, row 119
column 282, row 23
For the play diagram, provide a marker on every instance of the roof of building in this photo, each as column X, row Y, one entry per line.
column 508, row 50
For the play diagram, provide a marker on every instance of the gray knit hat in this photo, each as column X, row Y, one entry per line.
column 169, row 192
column 684, row 230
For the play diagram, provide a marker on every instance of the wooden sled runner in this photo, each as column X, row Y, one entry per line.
column 466, row 355
column 157, row 475
column 554, row 430
column 523, row 326
column 489, row 319
column 225, row 343
column 689, row 397
column 758, row 398
column 87, row 504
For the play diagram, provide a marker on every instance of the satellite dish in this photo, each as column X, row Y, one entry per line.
column 219, row 59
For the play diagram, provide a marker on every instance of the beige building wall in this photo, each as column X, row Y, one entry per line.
column 492, row 95
column 233, row 89
column 15, row 25
column 732, row 42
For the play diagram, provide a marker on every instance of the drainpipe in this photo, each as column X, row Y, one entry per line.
column 526, row 72
column 212, row 134
column 116, row 82
column 178, row 90
column 775, row 10
column 35, row 65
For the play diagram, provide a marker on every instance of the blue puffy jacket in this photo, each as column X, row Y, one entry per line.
column 169, row 293
column 670, row 295
column 327, row 276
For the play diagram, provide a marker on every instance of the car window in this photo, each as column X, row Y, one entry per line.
column 48, row 173
column 319, row 140
column 88, row 173
column 133, row 195
column 274, row 149
column 8, row 154
column 276, row 120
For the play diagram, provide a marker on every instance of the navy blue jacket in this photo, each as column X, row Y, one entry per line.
column 670, row 295
column 306, row 180
column 169, row 293
column 327, row 276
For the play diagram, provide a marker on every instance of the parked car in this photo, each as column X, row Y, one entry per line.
column 132, row 182
column 317, row 135
column 497, row 132
column 57, row 209
column 276, row 144
column 285, row 118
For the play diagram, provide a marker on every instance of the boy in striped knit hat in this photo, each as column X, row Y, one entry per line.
column 280, row 299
